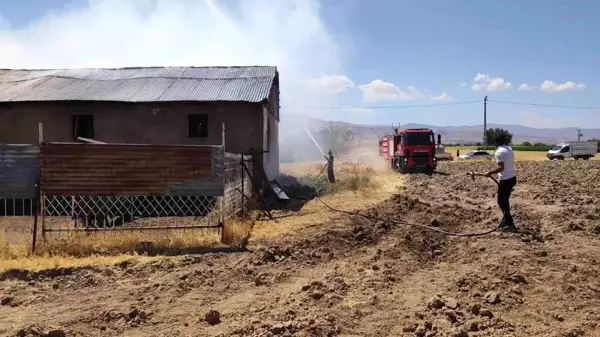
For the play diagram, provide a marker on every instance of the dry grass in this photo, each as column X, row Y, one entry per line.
column 75, row 249
column 382, row 184
column 358, row 185
column 237, row 233
column 349, row 176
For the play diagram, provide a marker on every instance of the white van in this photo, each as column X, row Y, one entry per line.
column 577, row 150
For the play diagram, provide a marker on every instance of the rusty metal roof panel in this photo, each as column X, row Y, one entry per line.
column 19, row 171
column 128, row 169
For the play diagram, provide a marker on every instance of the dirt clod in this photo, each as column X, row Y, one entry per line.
column 6, row 300
column 474, row 308
column 213, row 317
column 435, row 303
column 486, row 313
column 451, row 303
column 410, row 328
column 517, row 278
column 459, row 333
column 493, row 297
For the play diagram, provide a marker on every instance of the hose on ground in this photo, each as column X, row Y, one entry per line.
column 398, row 223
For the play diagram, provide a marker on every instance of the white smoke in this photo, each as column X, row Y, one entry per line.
column 289, row 34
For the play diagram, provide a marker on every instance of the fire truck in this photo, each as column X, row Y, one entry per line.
column 410, row 150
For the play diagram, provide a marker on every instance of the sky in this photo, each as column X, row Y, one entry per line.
column 360, row 61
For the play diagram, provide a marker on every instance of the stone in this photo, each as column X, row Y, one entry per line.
column 492, row 297
column 420, row 332
column 451, row 303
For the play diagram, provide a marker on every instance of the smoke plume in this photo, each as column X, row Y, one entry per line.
column 289, row 34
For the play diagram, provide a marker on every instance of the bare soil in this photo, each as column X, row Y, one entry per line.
column 349, row 276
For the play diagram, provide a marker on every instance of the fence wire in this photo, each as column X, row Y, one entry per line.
column 84, row 213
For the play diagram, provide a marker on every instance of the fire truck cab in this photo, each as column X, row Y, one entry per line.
column 410, row 150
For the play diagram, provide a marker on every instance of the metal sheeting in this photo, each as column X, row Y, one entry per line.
column 122, row 169
column 19, row 171
column 248, row 84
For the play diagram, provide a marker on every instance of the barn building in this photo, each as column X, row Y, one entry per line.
column 155, row 105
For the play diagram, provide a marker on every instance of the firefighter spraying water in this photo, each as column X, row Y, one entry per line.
column 328, row 157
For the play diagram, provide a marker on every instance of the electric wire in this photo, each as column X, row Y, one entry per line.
column 574, row 107
column 547, row 105
column 380, row 107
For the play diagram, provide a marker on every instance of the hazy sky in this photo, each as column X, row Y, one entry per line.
column 342, row 53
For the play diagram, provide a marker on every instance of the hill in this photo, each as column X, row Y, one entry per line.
column 291, row 125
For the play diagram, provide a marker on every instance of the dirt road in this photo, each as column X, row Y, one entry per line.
column 348, row 276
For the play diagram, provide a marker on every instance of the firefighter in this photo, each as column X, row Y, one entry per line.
column 507, row 174
column 329, row 159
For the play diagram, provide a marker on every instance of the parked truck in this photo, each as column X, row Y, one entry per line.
column 576, row 150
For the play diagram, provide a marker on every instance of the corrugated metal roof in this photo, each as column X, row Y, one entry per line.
column 248, row 84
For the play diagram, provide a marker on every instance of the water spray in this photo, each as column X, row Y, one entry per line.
column 314, row 140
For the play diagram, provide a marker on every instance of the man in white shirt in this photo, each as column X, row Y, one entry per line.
column 507, row 176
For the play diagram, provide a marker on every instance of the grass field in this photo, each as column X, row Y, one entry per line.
column 519, row 155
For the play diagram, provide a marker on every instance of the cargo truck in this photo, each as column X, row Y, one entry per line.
column 576, row 150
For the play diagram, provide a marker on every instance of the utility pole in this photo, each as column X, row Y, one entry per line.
column 484, row 122
column 579, row 134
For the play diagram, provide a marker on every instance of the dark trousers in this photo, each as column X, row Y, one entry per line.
column 505, row 188
column 330, row 174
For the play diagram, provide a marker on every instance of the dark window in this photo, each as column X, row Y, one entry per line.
column 418, row 138
column 83, row 126
column 197, row 126
column 566, row 149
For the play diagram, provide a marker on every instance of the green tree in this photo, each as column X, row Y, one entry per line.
column 539, row 144
column 490, row 135
column 335, row 138
column 526, row 144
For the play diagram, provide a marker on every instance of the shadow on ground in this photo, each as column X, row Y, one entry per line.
column 298, row 193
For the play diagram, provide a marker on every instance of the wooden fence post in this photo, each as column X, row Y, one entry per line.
column 243, row 196
column 222, row 201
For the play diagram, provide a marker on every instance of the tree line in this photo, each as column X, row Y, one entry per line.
column 491, row 134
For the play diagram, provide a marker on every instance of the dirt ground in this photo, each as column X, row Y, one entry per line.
column 340, row 275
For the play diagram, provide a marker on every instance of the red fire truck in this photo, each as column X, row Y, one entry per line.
column 409, row 150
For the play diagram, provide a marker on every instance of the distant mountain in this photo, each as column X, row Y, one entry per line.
column 292, row 125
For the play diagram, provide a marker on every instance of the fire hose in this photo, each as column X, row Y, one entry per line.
column 398, row 223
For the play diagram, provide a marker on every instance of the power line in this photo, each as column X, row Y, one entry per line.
column 379, row 107
column 441, row 104
column 548, row 105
